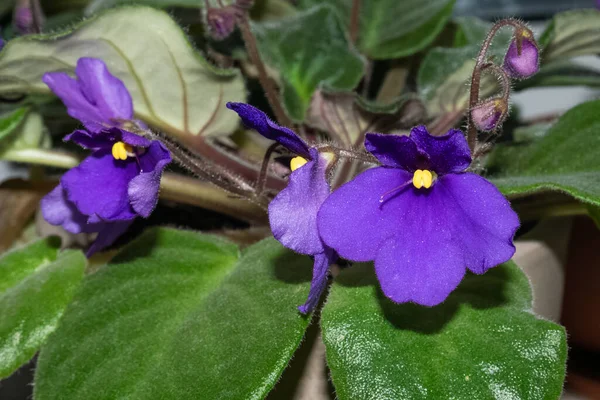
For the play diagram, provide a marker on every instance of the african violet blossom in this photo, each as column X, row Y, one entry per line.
column 293, row 212
column 420, row 217
column 120, row 180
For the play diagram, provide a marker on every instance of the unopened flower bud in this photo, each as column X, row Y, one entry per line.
column 489, row 115
column 522, row 58
column 28, row 17
column 221, row 21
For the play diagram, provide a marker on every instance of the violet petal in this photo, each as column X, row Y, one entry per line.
column 99, row 186
column 293, row 212
column 58, row 210
column 448, row 153
column 318, row 283
column 107, row 236
column 143, row 189
column 396, row 151
column 253, row 118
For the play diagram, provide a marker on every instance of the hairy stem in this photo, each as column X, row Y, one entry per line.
column 266, row 82
column 354, row 21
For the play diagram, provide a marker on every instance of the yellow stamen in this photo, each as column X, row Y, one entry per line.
column 297, row 162
column 423, row 178
column 121, row 150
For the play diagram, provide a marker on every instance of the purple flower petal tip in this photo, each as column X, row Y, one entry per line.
column 423, row 220
column 524, row 65
column 318, row 283
column 255, row 119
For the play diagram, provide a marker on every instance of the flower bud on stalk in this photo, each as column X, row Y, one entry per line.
column 221, row 21
column 28, row 17
column 489, row 115
column 522, row 58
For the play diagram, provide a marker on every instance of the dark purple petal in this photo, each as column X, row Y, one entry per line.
column 482, row 219
column 396, row 151
column 449, row 153
column 354, row 222
column 99, row 186
column 104, row 90
column 107, row 236
column 131, row 138
column 319, row 280
column 58, row 210
column 293, row 212
column 524, row 65
column 255, row 119
column 143, row 189
column 89, row 140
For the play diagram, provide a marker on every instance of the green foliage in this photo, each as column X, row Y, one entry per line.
column 179, row 315
column 309, row 49
column 563, row 73
column 571, row 33
column 36, row 284
column 392, row 28
column 10, row 121
column 173, row 87
column 566, row 159
column 483, row 342
column 26, row 131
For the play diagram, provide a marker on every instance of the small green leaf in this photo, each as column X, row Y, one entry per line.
column 571, row 33
column 566, row 159
column 173, row 87
column 30, row 133
column 10, row 121
column 392, row 28
column 179, row 315
column 444, row 73
column 36, row 284
column 309, row 49
column 483, row 342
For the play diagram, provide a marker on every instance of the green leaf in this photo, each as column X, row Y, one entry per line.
column 392, row 28
column 10, row 121
column 173, row 87
column 309, row 49
column 483, row 342
column 29, row 133
column 97, row 5
column 566, row 159
column 179, row 315
column 530, row 133
column 443, row 76
column 594, row 213
column 571, row 33
column 562, row 73
column 36, row 284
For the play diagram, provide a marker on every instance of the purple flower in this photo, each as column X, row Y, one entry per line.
column 489, row 115
column 420, row 217
column 120, row 180
column 523, row 64
column 293, row 212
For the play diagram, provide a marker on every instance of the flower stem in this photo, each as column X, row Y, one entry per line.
column 266, row 82
column 174, row 187
column 354, row 20
column 476, row 77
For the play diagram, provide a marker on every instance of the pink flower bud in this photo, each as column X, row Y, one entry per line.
column 522, row 64
column 489, row 115
column 25, row 21
column 221, row 21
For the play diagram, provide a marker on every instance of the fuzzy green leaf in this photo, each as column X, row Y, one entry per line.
column 309, row 49
column 566, row 159
column 36, row 284
column 392, row 28
column 10, row 121
column 179, row 315
column 29, row 133
column 173, row 87
column 571, row 33
column 483, row 342
column 563, row 73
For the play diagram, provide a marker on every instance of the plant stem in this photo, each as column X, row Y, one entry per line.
column 266, row 82
column 354, row 20
column 174, row 187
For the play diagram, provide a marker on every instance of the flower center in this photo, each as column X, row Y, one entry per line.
column 297, row 162
column 121, row 151
column 423, row 178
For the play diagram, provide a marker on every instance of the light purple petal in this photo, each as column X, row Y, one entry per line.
column 99, row 186
column 319, row 280
column 143, row 189
column 448, row 153
column 354, row 222
column 483, row 221
column 57, row 210
column 524, row 65
column 78, row 106
column 108, row 235
column 255, row 119
column 293, row 212
column 396, row 151
column 104, row 90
